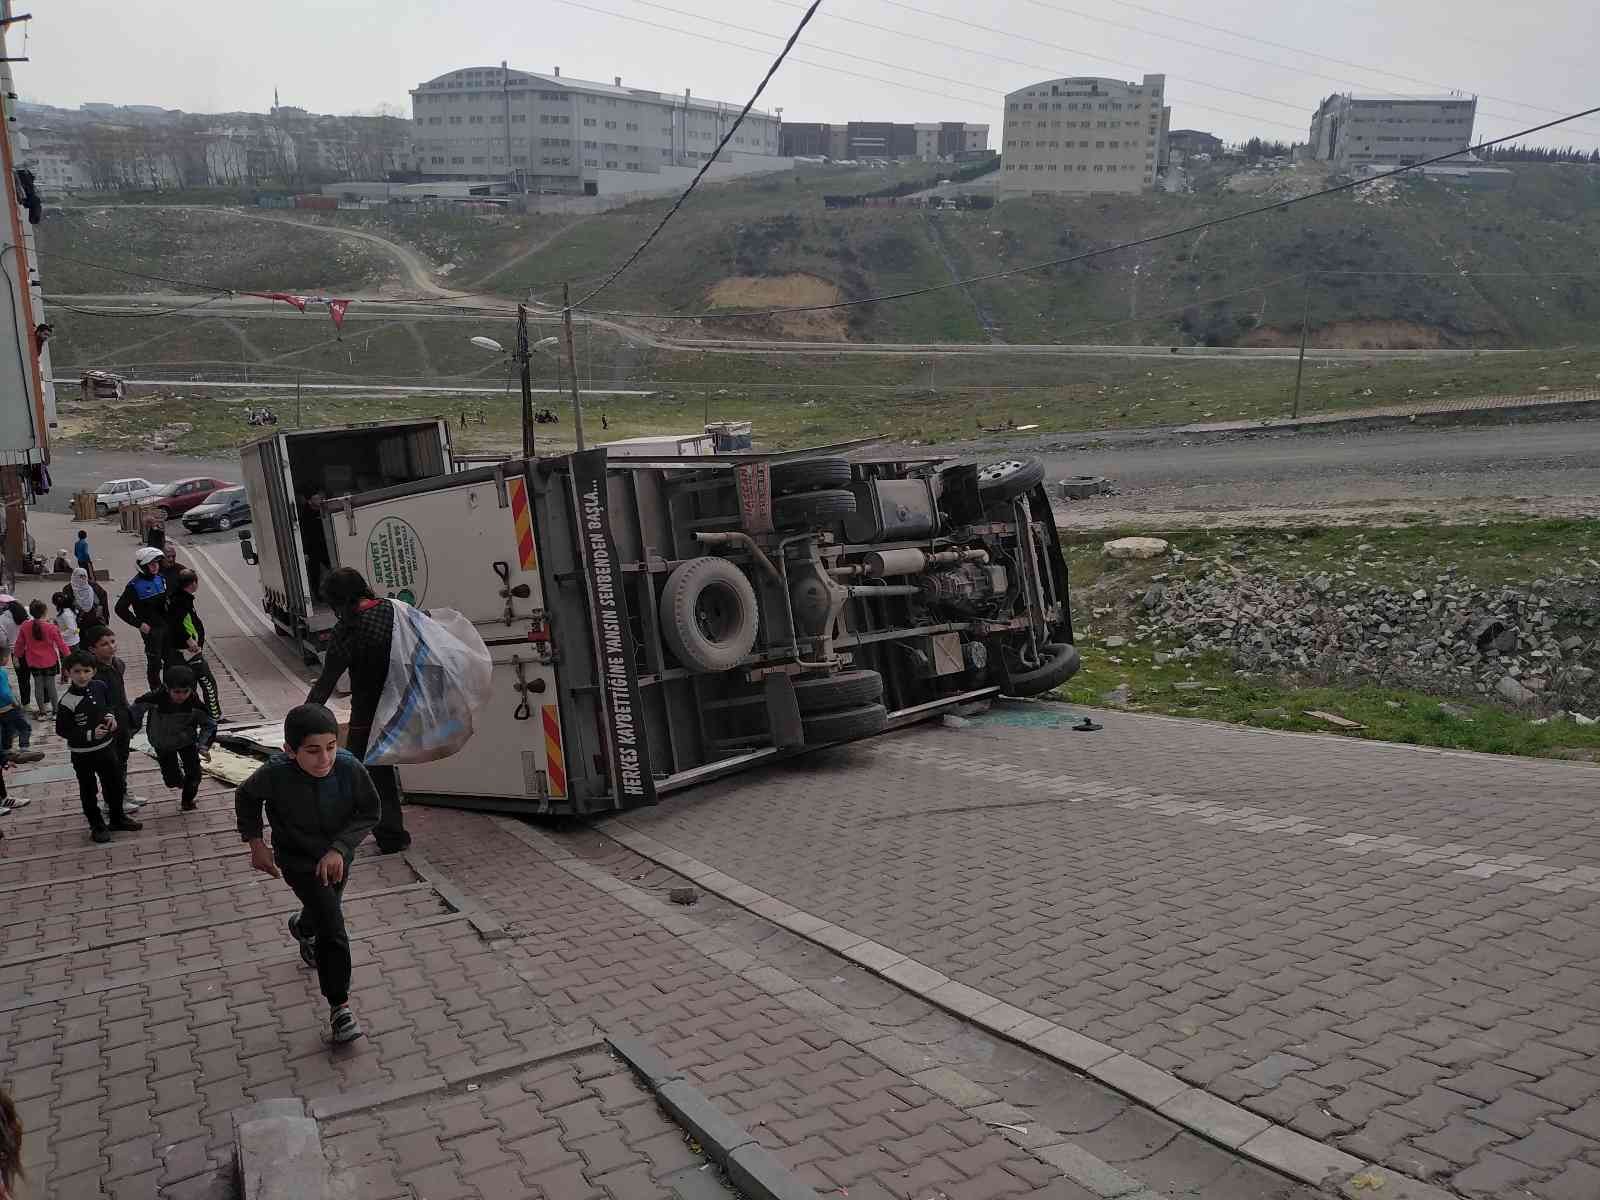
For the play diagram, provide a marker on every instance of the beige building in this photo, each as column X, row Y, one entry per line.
column 555, row 133
column 1084, row 135
column 1390, row 131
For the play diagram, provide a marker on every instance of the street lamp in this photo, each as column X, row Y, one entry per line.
column 523, row 355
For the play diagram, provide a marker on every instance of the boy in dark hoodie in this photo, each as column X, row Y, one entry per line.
column 101, row 642
column 322, row 804
column 84, row 719
column 180, row 730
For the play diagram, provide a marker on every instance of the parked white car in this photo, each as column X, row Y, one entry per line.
column 114, row 493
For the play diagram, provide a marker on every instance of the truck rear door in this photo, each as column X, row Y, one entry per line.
column 265, row 467
column 468, row 543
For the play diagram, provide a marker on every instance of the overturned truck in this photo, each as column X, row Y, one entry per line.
column 658, row 623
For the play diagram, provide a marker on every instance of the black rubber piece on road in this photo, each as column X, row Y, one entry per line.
column 844, row 724
column 812, row 508
column 847, row 689
column 1060, row 664
column 809, row 475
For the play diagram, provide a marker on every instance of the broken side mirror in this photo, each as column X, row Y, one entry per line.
column 247, row 547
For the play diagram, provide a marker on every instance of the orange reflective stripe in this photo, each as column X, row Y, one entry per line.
column 523, row 519
column 555, row 765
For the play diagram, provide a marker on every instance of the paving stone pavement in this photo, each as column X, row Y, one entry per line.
column 148, row 991
column 1389, row 949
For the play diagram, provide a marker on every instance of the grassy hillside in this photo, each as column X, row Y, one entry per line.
column 1240, row 283
column 200, row 244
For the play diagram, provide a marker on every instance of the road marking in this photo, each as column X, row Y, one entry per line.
column 1530, row 870
column 250, row 606
column 299, row 684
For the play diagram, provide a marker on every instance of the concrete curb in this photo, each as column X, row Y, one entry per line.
column 1487, row 414
column 751, row 1169
column 277, row 1153
column 1216, row 1120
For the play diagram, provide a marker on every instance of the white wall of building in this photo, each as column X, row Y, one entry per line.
column 551, row 131
column 1391, row 130
column 1083, row 134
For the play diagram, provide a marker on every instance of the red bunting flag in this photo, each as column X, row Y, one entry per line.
column 336, row 311
column 298, row 301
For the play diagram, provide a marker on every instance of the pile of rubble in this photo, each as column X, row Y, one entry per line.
column 1533, row 646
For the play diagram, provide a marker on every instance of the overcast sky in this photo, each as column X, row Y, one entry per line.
column 341, row 56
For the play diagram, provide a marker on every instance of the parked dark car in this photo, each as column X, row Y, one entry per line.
column 177, row 498
column 222, row 509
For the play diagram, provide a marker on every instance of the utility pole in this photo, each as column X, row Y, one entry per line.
column 298, row 375
column 524, row 360
column 572, row 362
column 1305, row 326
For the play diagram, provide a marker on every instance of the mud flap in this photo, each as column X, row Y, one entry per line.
column 783, row 712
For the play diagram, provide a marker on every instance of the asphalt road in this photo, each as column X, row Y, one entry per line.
column 1548, row 467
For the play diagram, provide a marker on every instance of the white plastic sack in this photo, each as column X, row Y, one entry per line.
column 439, row 675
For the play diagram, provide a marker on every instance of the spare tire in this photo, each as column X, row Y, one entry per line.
column 709, row 616
column 845, row 723
column 847, row 689
column 1010, row 478
column 1060, row 664
column 812, row 508
column 809, row 475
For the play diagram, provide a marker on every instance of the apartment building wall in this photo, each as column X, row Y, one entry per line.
column 1390, row 130
column 562, row 134
column 1084, row 134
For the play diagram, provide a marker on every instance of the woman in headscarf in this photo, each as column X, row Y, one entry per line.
column 89, row 599
column 62, row 564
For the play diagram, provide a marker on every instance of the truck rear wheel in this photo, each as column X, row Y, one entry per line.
column 847, row 689
column 1060, row 664
column 812, row 508
column 844, row 724
column 810, row 475
column 709, row 616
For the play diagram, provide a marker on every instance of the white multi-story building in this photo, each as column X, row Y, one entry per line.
column 1084, row 134
column 1388, row 130
column 535, row 132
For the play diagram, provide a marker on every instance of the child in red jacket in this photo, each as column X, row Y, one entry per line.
column 40, row 650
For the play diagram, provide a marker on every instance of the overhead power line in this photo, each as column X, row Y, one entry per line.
column 706, row 165
column 1343, row 62
column 1181, row 231
column 1265, row 62
column 910, row 87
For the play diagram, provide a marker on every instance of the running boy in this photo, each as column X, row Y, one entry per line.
column 322, row 805
column 84, row 719
column 181, row 731
column 101, row 642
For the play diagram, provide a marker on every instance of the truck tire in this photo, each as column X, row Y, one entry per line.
column 847, row 689
column 843, row 724
column 810, row 475
column 709, row 616
column 1060, row 664
column 812, row 508
column 1010, row 478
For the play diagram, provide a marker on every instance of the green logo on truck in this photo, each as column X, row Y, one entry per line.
column 397, row 566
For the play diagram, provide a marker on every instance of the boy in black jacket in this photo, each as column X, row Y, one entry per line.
column 85, row 720
column 101, row 642
column 180, row 730
column 321, row 804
